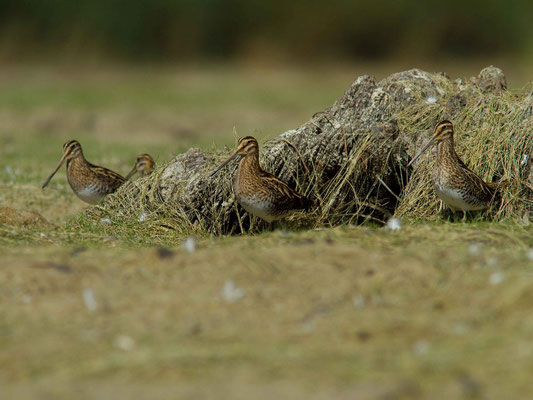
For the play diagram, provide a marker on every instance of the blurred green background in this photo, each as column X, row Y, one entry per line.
column 352, row 308
column 161, row 76
column 188, row 30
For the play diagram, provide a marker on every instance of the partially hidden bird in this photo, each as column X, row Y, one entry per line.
column 259, row 192
column 144, row 165
column 455, row 184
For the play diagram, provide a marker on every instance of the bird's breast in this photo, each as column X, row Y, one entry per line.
column 90, row 194
column 257, row 206
column 456, row 199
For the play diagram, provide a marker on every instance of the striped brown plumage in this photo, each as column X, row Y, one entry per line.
column 456, row 184
column 144, row 165
column 89, row 182
column 259, row 192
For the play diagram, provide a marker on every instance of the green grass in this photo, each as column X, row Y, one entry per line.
column 436, row 310
column 428, row 308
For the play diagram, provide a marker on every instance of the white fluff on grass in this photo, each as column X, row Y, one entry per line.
column 474, row 248
column 124, row 342
column 142, row 217
column 231, row 293
column 8, row 171
column 189, row 244
column 461, row 328
column 496, row 278
column 530, row 254
column 358, row 301
column 394, row 224
column 421, row 347
column 89, row 300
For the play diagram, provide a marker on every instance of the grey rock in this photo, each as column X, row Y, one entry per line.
column 351, row 157
column 492, row 80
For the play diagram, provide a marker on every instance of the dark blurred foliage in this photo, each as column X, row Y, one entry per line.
column 183, row 29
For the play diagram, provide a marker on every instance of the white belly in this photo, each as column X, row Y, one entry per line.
column 90, row 195
column 454, row 199
column 258, row 208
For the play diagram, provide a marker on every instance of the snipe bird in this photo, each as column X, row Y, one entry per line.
column 455, row 184
column 90, row 182
column 144, row 165
column 258, row 191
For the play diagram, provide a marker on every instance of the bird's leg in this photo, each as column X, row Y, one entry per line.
column 448, row 213
column 270, row 226
column 280, row 225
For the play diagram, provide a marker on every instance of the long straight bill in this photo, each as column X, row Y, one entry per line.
column 59, row 164
column 224, row 164
column 427, row 146
column 132, row 172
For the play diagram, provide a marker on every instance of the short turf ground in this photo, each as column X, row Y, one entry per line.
column 439, row 310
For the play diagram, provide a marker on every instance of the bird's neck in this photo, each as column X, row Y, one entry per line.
column 250, row 163
column 446, row 151
column 77, row 163
column 247, row 172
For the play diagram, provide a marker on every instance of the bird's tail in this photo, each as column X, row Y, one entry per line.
column 498, row 186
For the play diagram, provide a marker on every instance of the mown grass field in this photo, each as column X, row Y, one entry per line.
column 438, row 310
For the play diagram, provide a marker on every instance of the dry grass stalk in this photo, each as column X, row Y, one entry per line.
column 352, row 158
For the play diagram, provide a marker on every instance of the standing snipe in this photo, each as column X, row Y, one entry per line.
column 90, row 182
column 144, row 165
column 455, row 184
column 258, row 191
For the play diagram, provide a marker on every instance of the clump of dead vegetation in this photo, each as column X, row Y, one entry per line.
column 352, row 159
column 493, row 136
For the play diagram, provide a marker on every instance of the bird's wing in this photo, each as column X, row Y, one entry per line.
column 486, row 190
column 286, row 196
column 113, row 179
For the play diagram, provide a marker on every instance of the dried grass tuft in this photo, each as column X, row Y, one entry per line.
column 493, row 136
column 357, row 174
